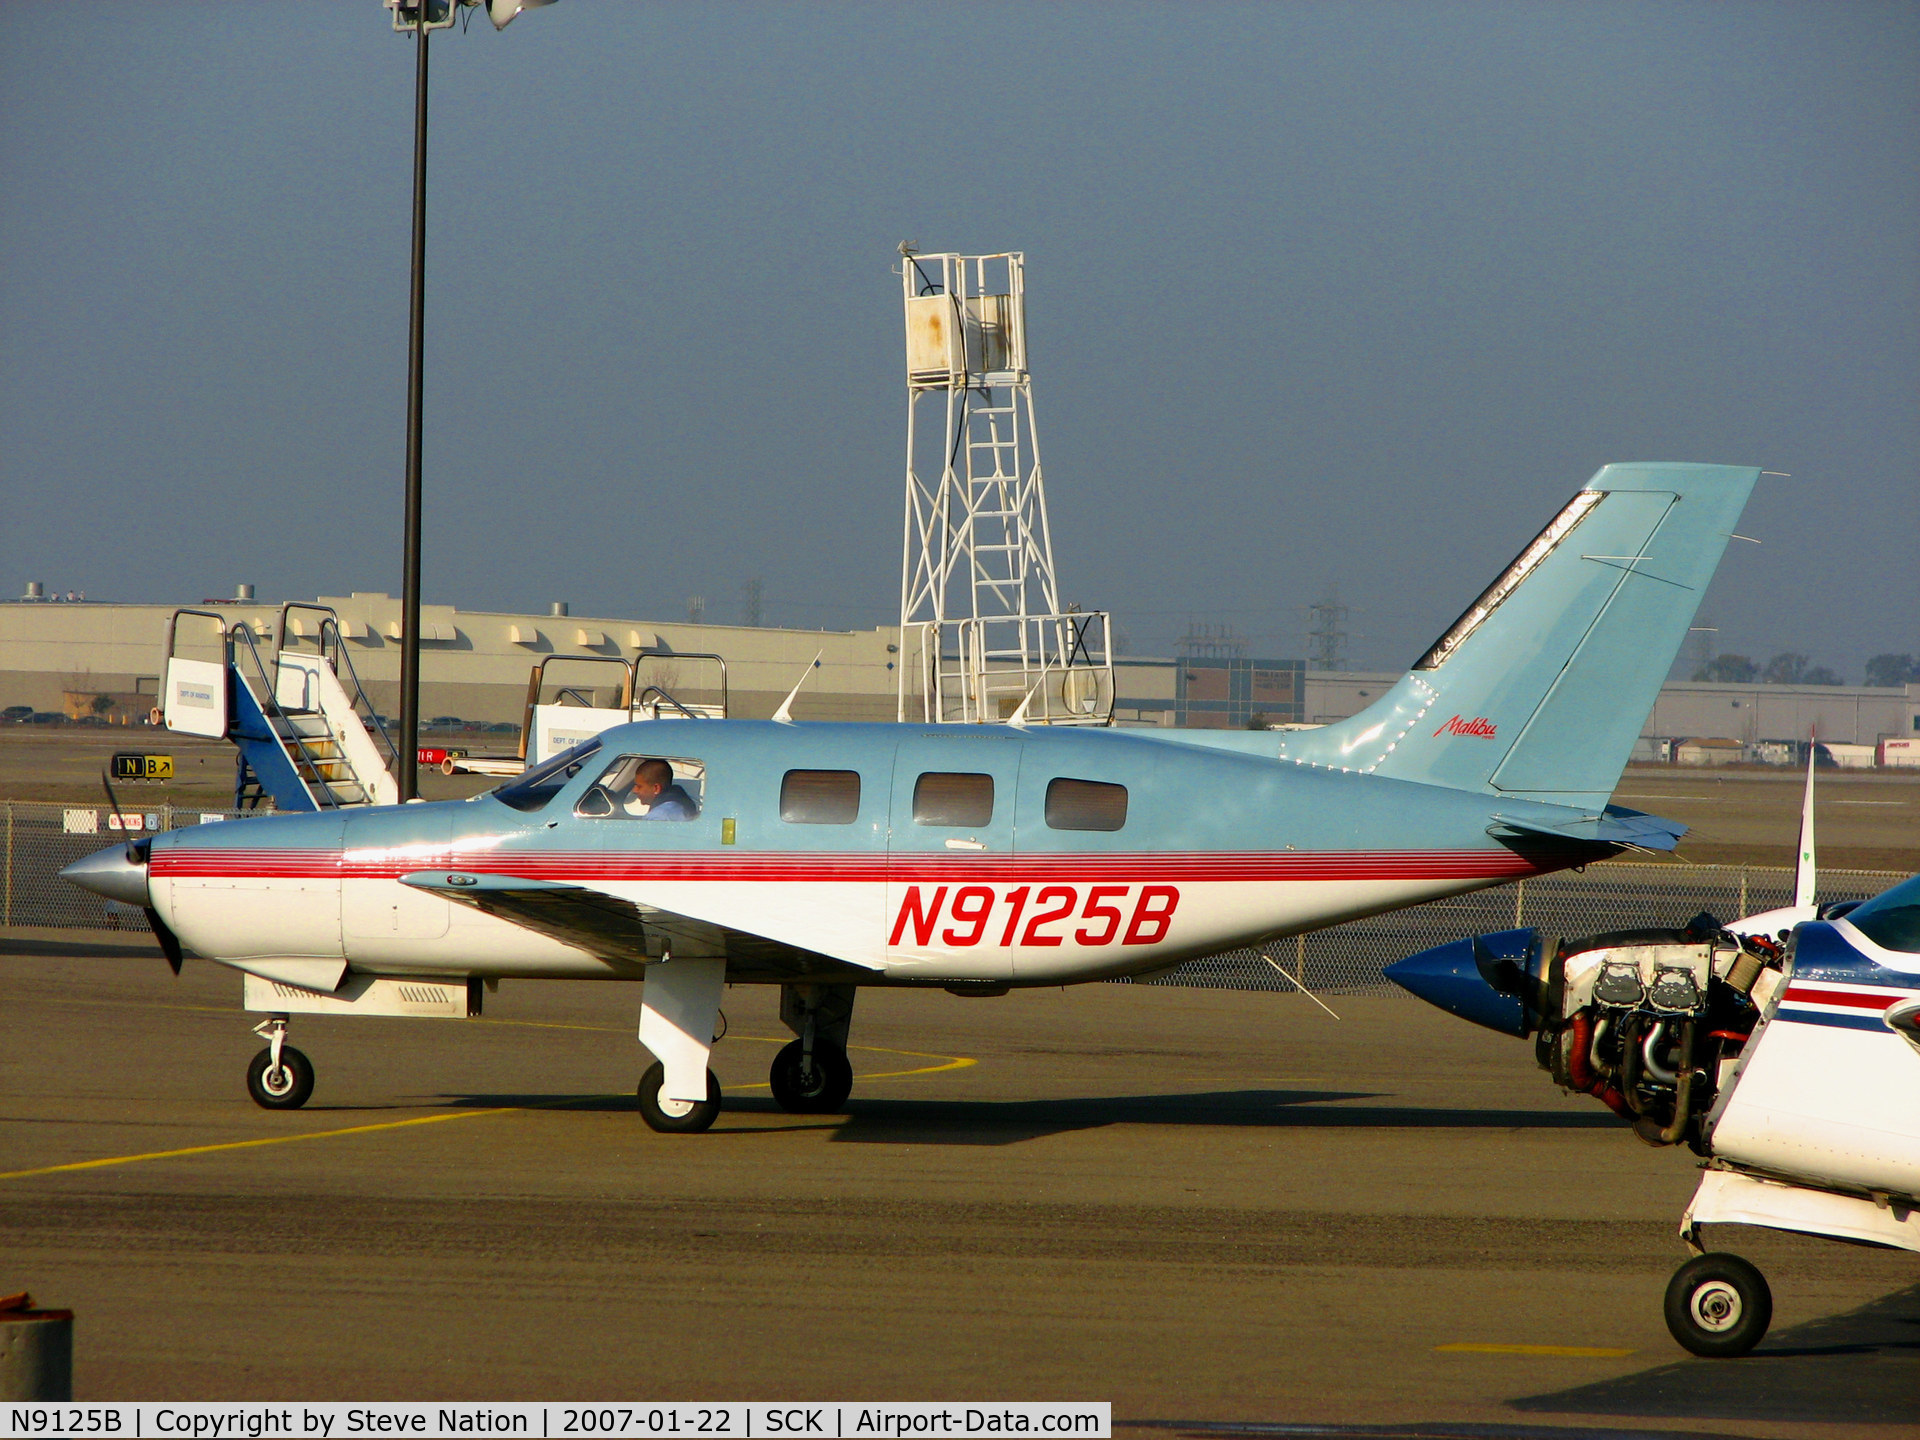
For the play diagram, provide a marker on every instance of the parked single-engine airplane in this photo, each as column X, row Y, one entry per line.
column 1783, row 1048
column 824, row 857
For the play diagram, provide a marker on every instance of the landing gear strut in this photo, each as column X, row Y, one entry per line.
column 811, row 1075
column 280, row 1077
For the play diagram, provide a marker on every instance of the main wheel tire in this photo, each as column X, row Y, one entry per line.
column 822, row 1092
column 286, row 1088
column 676, row 1117
column 1718, row 1305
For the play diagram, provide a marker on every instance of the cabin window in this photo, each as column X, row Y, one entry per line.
column 647, row 787
column 532, row 790
column 820, row 797
column 944, row 797
column 1085, row 805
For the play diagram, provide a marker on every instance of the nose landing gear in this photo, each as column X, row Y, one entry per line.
column 280, row 1077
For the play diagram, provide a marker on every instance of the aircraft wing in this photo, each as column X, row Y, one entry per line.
column 1617, row 826
column 626, row 931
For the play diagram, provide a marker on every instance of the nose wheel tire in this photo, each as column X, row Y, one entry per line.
column 676, row 1117
column 282, row 1087
column 1719, row 1306
column 819, row 1089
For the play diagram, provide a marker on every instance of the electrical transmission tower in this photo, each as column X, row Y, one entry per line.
column 983, row 635
column 1326, row 632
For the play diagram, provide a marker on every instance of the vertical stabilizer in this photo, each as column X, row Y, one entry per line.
column 1540, row 689
column 1805, row 874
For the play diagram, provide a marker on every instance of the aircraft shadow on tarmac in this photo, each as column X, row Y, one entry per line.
column 1008, row 1122
column 1862, row 1367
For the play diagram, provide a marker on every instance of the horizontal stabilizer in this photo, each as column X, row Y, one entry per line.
column 626, row 931
column 1615, row 827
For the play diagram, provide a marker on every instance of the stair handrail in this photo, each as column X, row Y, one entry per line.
column 641, row 700
column 214, row 615
column 655, row 653
column 271, row 708
column 356, row 694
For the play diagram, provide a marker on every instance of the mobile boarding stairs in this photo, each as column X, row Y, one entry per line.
column 309, row 738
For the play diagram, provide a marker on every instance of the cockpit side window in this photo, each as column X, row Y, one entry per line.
column 1892, row 919
column 532, row 790
column 647, row 787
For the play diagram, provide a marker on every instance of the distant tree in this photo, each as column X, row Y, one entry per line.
column 1256, row 721
column 100, row 704
column 1892, row 671
column 1786, row 668
column 1728, row 670
column 1820, row 675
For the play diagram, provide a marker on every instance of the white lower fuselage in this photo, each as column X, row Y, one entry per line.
column 919, row 919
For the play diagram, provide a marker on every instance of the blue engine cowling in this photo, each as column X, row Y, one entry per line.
column 1505, row 981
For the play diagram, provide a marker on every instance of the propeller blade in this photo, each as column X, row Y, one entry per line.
column 113, row 807
column 169, row 942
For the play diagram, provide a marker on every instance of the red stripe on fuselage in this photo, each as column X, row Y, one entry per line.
column 591, row 865
column 1815, row 995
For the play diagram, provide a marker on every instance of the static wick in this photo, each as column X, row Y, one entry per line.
column 1298, row 986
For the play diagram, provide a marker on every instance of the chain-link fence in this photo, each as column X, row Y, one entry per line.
column 40, row 839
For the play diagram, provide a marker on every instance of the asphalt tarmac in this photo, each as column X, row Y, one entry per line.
column 1219, row 1210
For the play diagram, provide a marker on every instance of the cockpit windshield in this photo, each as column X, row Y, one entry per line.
column 1892, row 918
column 532, row 790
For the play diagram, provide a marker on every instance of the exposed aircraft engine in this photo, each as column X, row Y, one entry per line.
column 1649, row 1022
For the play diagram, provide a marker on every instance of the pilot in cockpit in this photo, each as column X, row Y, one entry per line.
column 655, row 795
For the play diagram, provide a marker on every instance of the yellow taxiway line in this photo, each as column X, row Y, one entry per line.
column 947, row 1062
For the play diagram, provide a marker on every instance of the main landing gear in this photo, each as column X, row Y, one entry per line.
column 811, row 1075
column 280, row 1077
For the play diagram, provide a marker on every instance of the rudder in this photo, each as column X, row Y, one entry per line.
column 1540, row 689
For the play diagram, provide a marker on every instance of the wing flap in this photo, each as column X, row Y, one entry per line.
column 629, row 932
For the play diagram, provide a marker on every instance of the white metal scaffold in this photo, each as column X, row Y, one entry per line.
column 983, row 636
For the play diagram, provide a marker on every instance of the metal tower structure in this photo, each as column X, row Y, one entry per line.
column 1326, row 636
column 983, row 636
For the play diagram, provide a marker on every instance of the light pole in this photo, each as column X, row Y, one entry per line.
column 421, row 18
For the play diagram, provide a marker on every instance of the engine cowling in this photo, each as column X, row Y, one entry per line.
column 1649, row 1022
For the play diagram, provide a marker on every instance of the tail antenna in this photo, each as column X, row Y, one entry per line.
column 784, row 715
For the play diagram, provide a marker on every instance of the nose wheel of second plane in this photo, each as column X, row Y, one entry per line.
column 1718, row 1305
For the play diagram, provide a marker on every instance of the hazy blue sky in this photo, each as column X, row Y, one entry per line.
column 1333, row 292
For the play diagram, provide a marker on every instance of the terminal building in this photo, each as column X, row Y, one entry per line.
column 80, row 659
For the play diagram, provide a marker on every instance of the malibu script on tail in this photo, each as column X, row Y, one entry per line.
column 1479, row 725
